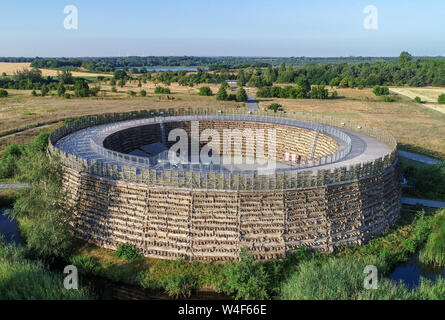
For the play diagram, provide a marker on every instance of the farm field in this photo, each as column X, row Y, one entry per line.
column 416, row 127
column 9, row 68
column 427, row 94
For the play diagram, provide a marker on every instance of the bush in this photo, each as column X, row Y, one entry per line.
column 247, row 278
column 131, row 93
column 222, row 93
column 388, row 99
column 380, row 91
column 81, row 88
column 418, row 100
column 180, row 286
column 67, row 96
column 142, row 93
column 84, row 264
column 441, row 99
column 434, row 251
column 205, row 91
column 94, row 91
column 8, row 161
column 162, row 90
column 241, row 95
column 334, row 95
column 113, row 89
column 275, row 107
column 3, row 93
column 127, row 252
column 319, row 92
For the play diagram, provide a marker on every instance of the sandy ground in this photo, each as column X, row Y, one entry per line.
column 427, row 94
column 9, row 68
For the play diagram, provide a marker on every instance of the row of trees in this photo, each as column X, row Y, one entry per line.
column 403, row 71
column 294, row 92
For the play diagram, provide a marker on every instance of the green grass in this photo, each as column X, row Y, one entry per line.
column 24, row 279
column 434, row 251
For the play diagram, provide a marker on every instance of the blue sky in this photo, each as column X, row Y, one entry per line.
column 218, row 28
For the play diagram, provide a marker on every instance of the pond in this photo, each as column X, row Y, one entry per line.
column 410, row 272
column 167, row 69
column 9, row 229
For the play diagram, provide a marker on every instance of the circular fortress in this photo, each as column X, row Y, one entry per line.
column 302, row 181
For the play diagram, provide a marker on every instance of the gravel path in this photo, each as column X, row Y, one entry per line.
column 418, row 157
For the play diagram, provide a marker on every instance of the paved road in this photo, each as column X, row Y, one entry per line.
column 252, row 104
column 12, row 186
column 426, row 203
column 418, row 157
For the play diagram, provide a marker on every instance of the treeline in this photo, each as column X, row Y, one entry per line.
column 404, row 71
column 109, row 64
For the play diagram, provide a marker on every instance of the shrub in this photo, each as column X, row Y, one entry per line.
column 3, row 93
column 205, row 91
column 131, row 93
column 441, row 99
column 142, row 93
column 334, row 95
column 319, row 92
column 162, row 90
column 434, row 251
column 380, row 91
column 67, row 96
column 94, row 91
column 247, row 278
column 241, row 95
column 34, row 93
column 81, row 88
column 388, row 99
column 113, row 89
column 84, row 264
column 8, row 161
column 275, row 107
column 127, row 252
column 222, row 93
column 180, row 286
column 418, row 99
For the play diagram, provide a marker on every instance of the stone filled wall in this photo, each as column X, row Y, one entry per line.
column 292, row 140
column 213, row 225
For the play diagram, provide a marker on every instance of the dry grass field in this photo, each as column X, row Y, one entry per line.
column 20, row 109
column 427, row 94
column 416, row 127
column 9, row 68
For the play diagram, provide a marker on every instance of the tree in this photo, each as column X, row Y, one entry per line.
column 319, row 92
column 66, row 77
column 241, row 95
column 120, row 74
column 222, row 93
column 43, row 201
column 81, row 88
column 61, row 90
column 205, row 91
column 441, row 99
column 405, row 57
column 303, row 82
column 3, row 93
column 380, row 91
column 44, row 90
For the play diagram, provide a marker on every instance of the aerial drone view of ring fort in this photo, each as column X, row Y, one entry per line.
column 264, row 179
